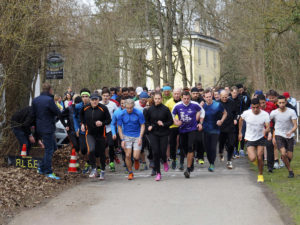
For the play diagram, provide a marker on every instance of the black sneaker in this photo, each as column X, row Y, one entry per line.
column 181, row 166
column 153, row 173
column 173, row 164
column 270, row 170
column 187, row 174
column 291, row 174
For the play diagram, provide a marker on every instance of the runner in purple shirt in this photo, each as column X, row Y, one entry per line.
column 189, row 114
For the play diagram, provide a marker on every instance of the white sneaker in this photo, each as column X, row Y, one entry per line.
column 93, row 173
column 102, row 174
column 276, row 165
column 281, row 164
column 229, row 165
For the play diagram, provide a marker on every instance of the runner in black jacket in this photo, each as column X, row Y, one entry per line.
column 227, row 136
column 158, row 120
column 94, row 117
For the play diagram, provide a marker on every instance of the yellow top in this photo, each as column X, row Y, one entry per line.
column 170, row 104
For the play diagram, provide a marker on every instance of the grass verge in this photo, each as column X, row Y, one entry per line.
column 287, row 190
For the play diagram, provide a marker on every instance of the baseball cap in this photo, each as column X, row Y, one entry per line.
column 258, row 92
column 144, row 95
column 139, row 90
column 94, row 96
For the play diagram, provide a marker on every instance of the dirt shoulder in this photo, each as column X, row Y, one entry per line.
column 25, row 188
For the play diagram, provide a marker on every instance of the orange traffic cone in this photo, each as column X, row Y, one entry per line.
column 73, row 161
column 24, row 151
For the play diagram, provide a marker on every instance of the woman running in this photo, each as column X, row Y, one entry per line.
column 158, row 119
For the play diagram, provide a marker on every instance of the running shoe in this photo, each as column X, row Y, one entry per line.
column 153, row 172
column 276, row 165
column 270, row 170
column 136, row 164
column 229, row 165
column 158, row 177
column 93, row 173
column 211, row 168
column 181, row 166
column 291, row 174
column 39, row 171
column 222, row 158
column 166, row 167
column 173, row 164
column 102, row 174
column 151, row 164
column 242, row 153
column 187, row 174
column 117, row 160
column 53, row 176
column 112, row 167
column 87, row 168
column 260, row 179
column 281, row 164
column 201, row 161
column 98, row 171
column 130, row 176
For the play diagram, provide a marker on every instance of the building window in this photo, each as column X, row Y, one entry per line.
column 215, row 59
column 207, row 58
column 199, row 56
column 200, row 78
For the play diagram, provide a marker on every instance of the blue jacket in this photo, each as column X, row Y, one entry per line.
column 76, row 117
column 45, row 111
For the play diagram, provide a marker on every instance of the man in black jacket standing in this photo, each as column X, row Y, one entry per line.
column 95, row 116
column 45, row 112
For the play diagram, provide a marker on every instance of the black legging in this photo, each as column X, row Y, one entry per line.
column 159, row 146
column 210, row 141
column 96, row 148
column 200, row 145
column 174, row 132
column 228, row 140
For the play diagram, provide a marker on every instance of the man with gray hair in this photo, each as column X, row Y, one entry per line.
column 131, row 127
column 227, row 136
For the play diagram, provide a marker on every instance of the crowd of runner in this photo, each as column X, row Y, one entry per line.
column 163, row 125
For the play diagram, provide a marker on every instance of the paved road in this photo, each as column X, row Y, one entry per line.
column 224, row 197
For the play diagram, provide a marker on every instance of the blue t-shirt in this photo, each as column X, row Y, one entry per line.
column 213, row 113
column 114, row 121
column 131, row 123
column 187, row 114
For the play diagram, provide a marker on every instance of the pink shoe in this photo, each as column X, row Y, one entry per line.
column 158, row 177
column 166, row 167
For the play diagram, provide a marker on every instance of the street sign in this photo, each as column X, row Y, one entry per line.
column 55, row 66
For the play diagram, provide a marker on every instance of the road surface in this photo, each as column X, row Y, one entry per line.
column 223, row 197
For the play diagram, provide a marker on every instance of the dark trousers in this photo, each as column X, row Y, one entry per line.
column 148, row 145
column 22, row 139
column 96, row 148
column 111, row 146
column 74, row 140
column 228, row 140
column 187, row 142
column 199, row 145
column 270, row 154
column 210, row 142
column 174, row 132
column 82, row 142
column 159, row 145
column 50, row 146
